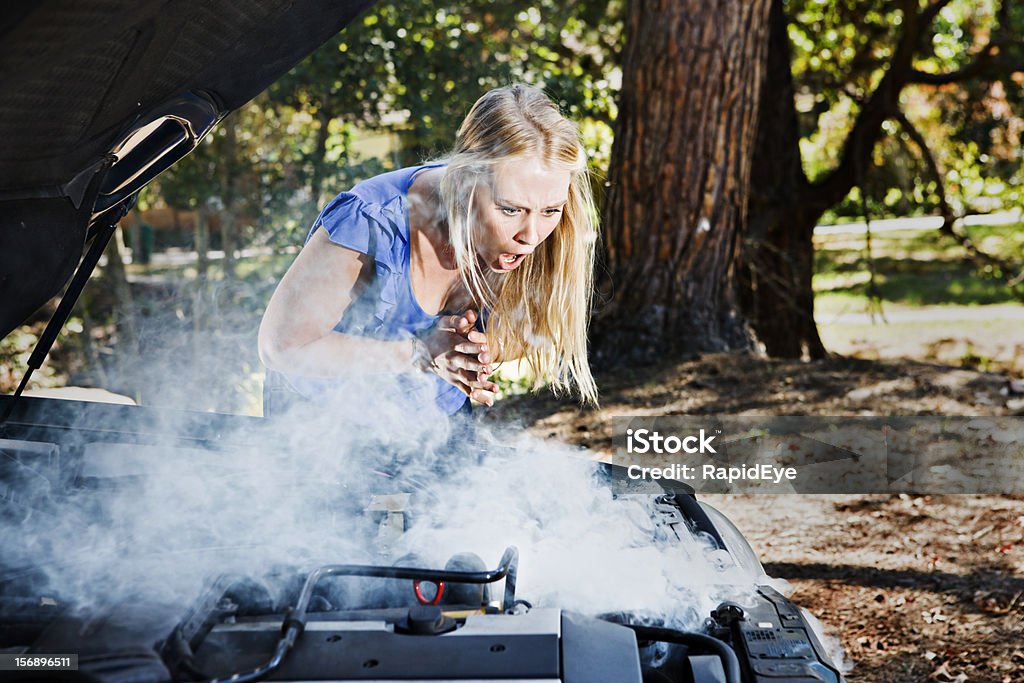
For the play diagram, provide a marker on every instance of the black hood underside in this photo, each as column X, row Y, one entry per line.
column 78, row 76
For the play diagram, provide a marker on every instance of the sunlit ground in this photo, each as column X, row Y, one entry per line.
column 931, row 302
column 953, row 338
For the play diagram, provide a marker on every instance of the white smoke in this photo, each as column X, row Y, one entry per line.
column 580, row 548
column 158, row 520
column 156, row 523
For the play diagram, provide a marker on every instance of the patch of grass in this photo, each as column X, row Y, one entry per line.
column 914, row 268
column 1006, row 241
column 921, row 283
column 513, row 378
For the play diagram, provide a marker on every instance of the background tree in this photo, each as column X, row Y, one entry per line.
column 677, row 191
column 839, row 139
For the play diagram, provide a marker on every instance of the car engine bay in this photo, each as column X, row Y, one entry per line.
column 405, row 619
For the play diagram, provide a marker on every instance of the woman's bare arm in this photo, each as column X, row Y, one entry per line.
column 297, row 332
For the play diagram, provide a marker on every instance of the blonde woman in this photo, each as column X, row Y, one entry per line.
column 395, row 271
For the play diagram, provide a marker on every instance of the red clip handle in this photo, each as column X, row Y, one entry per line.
column 419, row 593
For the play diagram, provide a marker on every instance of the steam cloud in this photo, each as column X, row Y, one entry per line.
column 580, row 549
column 157, row 523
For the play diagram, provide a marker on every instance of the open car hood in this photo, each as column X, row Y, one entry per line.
column 101, row 96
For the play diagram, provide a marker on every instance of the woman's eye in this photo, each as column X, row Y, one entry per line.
column 552, row 212
column 509, row 210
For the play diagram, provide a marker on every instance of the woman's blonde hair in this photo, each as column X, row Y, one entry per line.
column 539, row 311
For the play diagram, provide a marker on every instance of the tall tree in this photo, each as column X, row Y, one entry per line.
column 891, row 46
column 777, row 258
column 677, row 194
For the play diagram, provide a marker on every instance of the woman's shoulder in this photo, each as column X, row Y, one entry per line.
column 371, row 217
column 384, row 188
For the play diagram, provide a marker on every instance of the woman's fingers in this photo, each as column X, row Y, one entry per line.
column 471, row 348
column 474, row 385
column 464, row 323
column 460, row 323
column 450, row 323
column 482, row 391
column 485, row 397
column 476, row 380
column 462, row 361
column 483, row 383
column 467, row 362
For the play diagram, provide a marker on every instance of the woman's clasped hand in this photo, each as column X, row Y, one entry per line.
column 457, row 352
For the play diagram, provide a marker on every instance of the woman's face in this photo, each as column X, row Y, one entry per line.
column 517, row 211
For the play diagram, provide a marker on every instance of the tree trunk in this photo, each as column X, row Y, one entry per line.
column 96, row 372
column 123, row 377
column 319, row 161
column 677, row 197
column 229, row 182
column 228, row 240
column 135, row 233
column 124, row 311
column 202, row 239
column 777, row 257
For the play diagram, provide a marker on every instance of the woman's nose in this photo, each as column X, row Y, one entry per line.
column 528, row 234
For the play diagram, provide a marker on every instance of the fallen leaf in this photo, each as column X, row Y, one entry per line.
column 944, row 675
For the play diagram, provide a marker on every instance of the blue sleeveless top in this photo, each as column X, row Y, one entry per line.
column 373, row 219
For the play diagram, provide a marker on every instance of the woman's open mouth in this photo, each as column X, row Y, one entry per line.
column 510, row 261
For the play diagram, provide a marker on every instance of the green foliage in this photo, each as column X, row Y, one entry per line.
column 390, row 90
column 840, row 51
column 408, row 69
column 417, row 67
column 411, row 70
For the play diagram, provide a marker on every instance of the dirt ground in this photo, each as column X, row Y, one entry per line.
column 916, row 588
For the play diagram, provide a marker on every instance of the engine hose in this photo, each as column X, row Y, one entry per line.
column 730, row 662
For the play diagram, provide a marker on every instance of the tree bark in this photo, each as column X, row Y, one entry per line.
column 678, row 180
column 229, row 242
column 135, row 232
column 201, row 237
column 124, row 312
column 319, row 161
column 777, row 257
